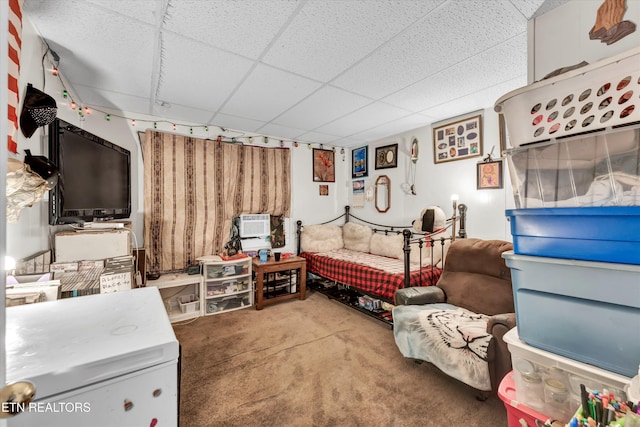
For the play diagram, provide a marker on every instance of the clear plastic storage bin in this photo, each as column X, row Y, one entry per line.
column 560, row 378
column 596, row 169
column 584, row 310
column 189, row 303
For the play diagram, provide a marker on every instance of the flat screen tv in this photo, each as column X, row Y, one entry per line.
column 95, row 176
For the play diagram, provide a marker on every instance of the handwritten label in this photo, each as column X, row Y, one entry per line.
column 115, row 282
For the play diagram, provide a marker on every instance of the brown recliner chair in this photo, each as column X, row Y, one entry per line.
column 475, row 278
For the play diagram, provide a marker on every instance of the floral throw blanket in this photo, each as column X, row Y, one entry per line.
column 452, row 338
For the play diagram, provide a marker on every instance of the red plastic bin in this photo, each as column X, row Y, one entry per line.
column 516, row 411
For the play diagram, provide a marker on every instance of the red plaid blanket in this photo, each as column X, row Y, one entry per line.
column 370, row 280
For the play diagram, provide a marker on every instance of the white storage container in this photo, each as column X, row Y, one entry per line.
column 189, row 303
column 598, row 95
column 550, row 383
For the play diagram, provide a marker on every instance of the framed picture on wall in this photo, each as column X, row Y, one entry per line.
column 458, row 140
column 489, row 175
column 387, row 156
column 324, row 168
column 359, row 162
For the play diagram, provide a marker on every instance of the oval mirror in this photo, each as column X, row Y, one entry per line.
column 383, row 193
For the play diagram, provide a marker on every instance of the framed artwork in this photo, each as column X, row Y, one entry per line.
column 458, row 140
column 357, row 201
column 387, row 156
column 359, row 162
column 324, row 190
column 489, row 175
column 324, row 168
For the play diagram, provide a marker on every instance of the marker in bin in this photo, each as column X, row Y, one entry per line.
column 604, row 410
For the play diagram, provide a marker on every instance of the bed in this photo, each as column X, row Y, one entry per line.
column 394, row 257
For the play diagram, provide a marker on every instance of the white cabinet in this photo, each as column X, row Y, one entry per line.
column 92, row 245
column 226, row 285
column 181, row 294
column 98, row 360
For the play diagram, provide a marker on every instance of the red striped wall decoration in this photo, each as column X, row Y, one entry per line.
column 15, row 44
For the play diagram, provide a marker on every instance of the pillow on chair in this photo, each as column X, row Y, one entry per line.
column 476, row 267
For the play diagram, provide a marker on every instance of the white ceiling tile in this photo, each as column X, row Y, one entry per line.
column 351, row 142
column 372, row 115
column 182, row 113
column 317, row 137
column 245, row 27
column 267, row 92
column 485, row 69
column 323, row 106
column 395, row 127
column 431, row 46
column 97, row 98
column 124, row 44
column 482, row 99
column 143, row 10
column 234, row 122
column 326, row 38
column 209, row 79
column 280, row 131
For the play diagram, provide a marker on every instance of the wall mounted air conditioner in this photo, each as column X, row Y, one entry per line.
column 255, row 225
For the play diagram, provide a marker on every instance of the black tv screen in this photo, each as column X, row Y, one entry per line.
column 95, row 176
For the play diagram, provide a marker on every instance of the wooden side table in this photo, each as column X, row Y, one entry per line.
column 261, row 269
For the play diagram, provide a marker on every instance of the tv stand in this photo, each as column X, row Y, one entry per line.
column 88, row 244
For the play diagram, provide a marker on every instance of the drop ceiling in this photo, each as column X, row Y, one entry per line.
column 335, row 72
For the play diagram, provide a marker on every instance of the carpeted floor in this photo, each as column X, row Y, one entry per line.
column 314, row 363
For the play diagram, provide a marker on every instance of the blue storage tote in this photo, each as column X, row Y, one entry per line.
column 607, row 234
column 586, row 311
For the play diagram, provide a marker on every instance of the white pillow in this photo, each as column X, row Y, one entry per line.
column 356, row 237
column 321, row 238
column 389, row 245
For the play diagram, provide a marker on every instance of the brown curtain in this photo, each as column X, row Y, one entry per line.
column 194, row 187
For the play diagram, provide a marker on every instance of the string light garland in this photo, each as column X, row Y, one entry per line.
column 85, row 110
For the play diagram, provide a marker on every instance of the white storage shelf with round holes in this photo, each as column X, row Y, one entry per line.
column 595, row 96
column 226, row 284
